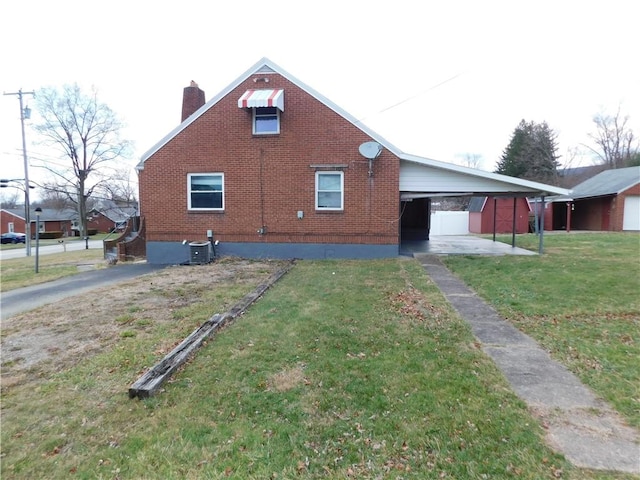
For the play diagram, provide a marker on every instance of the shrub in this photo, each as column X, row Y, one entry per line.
column 50, row 235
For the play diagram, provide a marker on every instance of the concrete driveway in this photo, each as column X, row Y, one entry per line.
column 460, row 245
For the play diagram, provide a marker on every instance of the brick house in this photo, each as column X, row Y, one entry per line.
column 608, row 201
column 271, row 168
column 106, row 216
column 51, row 220
column 12, row 220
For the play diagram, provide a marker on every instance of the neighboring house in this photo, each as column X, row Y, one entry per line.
column 496, row 215
column 106, row 216
column 51, row 220
column 271, row 168
column 608, row 201
column 12, row 220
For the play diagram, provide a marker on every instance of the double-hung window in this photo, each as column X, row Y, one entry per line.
column 206, row 191
column 266, row 120
column 329, row 190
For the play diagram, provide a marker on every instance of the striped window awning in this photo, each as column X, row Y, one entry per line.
column 262, row 98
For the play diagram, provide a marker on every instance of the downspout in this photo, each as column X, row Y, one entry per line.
column 263, row 228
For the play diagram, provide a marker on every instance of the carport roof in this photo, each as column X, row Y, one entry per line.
column 424, row 177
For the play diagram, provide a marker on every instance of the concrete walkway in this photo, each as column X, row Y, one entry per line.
column 580, row 426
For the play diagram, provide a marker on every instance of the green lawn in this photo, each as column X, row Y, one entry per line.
column 580, row 300
column 344, row 369
column 20, row 272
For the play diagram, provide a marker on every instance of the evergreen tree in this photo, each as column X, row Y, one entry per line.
column 531, row 153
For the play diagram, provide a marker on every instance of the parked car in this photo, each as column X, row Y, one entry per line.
column 13, row 237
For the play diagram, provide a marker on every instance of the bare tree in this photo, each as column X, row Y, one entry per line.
column 121, row 188
column 10, row 199
column 616, row 144
column 53, row 197
column 471, row 160
column 86, row 133
column 571, row 173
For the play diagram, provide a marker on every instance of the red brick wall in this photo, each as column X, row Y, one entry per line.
column 53, row 226
column 6, row 218
column 101, row 223
column 268, row 179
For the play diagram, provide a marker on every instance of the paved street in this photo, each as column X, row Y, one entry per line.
column 48, row 249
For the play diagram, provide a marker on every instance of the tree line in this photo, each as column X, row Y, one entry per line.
column 532, row 152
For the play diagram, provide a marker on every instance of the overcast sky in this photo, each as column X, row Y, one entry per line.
column 437, row 79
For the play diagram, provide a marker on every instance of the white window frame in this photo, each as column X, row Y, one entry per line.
column 189, row 192
column 318, row 191
column 11, row 227
column 257, row 115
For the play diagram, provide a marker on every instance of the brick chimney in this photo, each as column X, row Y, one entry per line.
column 192, row 100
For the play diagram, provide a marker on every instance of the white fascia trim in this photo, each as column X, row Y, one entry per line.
column 535, row 186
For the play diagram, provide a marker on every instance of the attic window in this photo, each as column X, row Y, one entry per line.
column 266, row 120
column 266, row 106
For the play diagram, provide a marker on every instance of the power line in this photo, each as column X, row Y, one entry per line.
column 422, row 92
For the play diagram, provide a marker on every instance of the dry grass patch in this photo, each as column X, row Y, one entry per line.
column 287, row 379
column 52, row 338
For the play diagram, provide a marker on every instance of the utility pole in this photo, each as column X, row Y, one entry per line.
column 25, row 113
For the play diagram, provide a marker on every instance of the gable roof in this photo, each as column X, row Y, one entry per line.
column 264, row 65
column 47, row 214
column 15, row 212
column 476, row 204
column 112, row 211
column 609, row 182
column 491, row 183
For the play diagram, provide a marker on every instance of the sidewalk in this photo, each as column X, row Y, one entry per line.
column 578, row 425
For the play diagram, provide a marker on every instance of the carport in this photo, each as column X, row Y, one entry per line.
column 423, row 179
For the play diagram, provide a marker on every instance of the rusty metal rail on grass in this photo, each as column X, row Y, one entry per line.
column 149, row 383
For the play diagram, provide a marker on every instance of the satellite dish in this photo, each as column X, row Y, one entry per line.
column 370, row 150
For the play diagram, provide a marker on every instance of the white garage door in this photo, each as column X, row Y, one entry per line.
column 631, row 220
